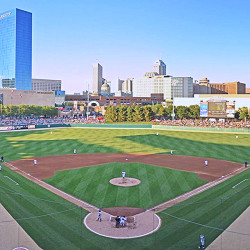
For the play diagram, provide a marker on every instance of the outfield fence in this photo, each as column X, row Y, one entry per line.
column 111, row 125
column 202, row 129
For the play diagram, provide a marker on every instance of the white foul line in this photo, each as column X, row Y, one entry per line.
column 11, row 179
column 60, row 191
column 239, row 183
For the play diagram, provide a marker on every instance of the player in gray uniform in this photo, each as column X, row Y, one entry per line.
column 123, row 174
column 122, row 222
column 202, row 239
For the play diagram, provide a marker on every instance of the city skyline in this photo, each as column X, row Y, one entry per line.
column 197, row 39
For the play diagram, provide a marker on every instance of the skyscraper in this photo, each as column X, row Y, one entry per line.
column 97, row 78
column 16, row 49
column 160, row 67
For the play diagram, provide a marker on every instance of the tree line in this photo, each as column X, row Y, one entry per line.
column 27, row 110
column 137, row 113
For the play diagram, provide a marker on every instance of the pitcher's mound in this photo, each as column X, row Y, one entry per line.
column 126, row 182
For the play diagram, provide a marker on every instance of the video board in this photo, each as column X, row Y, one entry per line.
column 217, row 109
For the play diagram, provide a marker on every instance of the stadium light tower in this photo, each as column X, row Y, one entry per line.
column 174, row 82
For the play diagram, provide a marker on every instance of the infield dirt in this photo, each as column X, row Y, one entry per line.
column 47, row 166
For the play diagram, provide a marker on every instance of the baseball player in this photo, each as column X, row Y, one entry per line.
column 202, row 239
column 117, row 221
column 123, row 174
column 2, row 159
column 99, row 215
column 35, row 162
column 0, row 168
column 157, row 133
column 206, row 163
column 74, row 151
column 123, row 219
column 171, row 152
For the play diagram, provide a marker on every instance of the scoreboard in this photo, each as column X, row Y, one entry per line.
column 217, row 109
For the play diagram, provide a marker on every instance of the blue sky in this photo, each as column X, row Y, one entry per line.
column 197, row 38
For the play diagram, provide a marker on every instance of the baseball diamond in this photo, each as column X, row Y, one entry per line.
column 58, row 199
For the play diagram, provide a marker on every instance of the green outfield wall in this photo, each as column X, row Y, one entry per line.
column 111, row 125
column 237, row 130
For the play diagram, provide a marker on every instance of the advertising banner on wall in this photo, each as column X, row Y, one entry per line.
column 203, row 109
column 230, row 109
column 75, row 105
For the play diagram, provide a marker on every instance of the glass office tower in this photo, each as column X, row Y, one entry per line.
column 16, row 49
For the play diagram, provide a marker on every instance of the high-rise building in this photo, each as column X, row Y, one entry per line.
column 160, row 67
column 46, row 85
column 97, row 78
column 119, row 83
column 16, row 49
column 171, row 87
column 127, row 86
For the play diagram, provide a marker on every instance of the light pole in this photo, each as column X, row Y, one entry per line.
column 173, row 84
column 88, row 105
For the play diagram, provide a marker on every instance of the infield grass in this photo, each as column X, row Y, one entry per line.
column 158, row 184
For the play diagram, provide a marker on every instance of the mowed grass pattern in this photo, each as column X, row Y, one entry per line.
column 65, row 230
column 157, row 185
column 56, row 226
column 27, row 144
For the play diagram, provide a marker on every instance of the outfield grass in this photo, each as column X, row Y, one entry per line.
column 65, row 231
column 157, row 185
column 27, row 144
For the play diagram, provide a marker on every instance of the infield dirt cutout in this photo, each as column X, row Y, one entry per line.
column 126, row 182
column 145, row 222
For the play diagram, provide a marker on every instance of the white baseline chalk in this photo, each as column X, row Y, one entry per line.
column 239, row 183
column 11, row 179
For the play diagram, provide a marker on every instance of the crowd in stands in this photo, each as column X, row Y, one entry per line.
column 10, row 121
column 207, row 123
column 7, row 121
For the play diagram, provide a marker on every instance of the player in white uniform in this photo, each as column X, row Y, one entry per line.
column 206, row 163
column 123, row 174
column 0, row 168
column 202, row 239
column 74, row 151
column 122, row 222
column 171, row 152
column 35, row 162
column 99, row 215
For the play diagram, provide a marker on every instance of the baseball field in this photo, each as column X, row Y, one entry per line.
column 55, row 221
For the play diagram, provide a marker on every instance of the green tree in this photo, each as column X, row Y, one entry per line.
column 139, row 116
column 107, row 114
column 169, row 110
column 194, row 111
column 163, row 112
column 148, row 113
column 122, row 113
column 182, row 112
column 156, row 108
column 243, row 113
column 131, row 113
column 24, row 110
